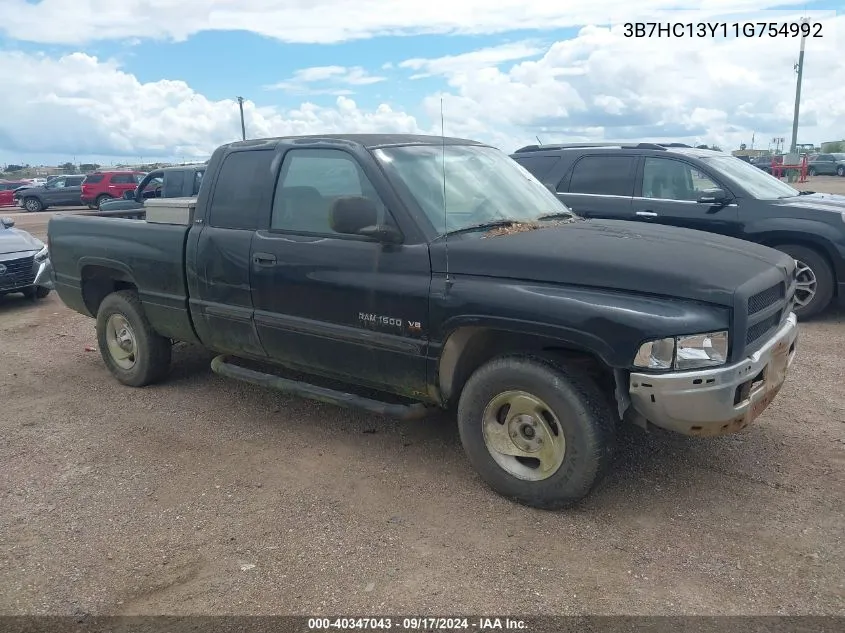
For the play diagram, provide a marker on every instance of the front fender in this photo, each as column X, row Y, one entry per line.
column 830, row 239
column 608, row 324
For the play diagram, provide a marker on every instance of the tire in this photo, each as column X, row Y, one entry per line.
column 840, row 171
column 819, row 270
column 36, row 292
column 150, row 360
column 811, row 171
column 101, row 199
column 90, row 206
column 32, row 205
column 581, row 416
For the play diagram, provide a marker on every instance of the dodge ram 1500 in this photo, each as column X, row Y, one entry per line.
column 440, row 274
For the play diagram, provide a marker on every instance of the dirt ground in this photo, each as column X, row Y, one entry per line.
column 205, row 495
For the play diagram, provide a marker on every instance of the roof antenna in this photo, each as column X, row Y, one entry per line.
column 445, row 215
column 538, row 140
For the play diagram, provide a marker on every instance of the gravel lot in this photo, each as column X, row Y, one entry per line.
column 204, row 495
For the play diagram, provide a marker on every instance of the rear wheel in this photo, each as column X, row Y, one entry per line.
column 134, row 353
column 32, row 205
column 814, row 288
column 811, row 171
column 101, row 199
column 535, row 430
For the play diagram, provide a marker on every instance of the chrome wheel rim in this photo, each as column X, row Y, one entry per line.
column 523, row 435
column 31, row 205
column 121, row 342
column 805, row 285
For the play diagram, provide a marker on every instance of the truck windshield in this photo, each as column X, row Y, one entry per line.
column 754, row 180
column 482, row 185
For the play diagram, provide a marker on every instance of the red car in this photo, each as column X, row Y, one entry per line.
column 7, row 188
column 102, row 186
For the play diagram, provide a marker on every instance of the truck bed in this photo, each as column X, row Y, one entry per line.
column 149, row 256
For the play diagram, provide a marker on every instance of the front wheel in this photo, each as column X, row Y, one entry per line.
column 536, row 431
column 840, row 171
column 134, row 353
column 811, row 171
column 36, row 292
column 32, row 205
column 814, row 284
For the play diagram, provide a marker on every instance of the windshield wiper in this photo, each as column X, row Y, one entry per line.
column 805, row 193
column 482, row 225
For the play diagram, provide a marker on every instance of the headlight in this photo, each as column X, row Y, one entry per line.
column 684, row 352
column 41, row 255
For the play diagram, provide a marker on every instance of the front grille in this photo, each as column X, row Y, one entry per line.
column 764, row 299
column 18, row 273
column 763, row 327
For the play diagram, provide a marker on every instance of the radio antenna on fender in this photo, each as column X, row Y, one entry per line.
column 445, row 214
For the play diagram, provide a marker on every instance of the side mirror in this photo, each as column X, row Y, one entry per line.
column 129, row 195
column 713, row 196
column 356, row 215
column 8, row 222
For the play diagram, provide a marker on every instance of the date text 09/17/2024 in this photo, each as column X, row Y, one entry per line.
column 418, row 624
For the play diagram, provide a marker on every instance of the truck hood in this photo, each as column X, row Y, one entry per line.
column 620, row 255
column 15, row 241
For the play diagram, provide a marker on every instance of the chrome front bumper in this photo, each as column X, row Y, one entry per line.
column 717, row 401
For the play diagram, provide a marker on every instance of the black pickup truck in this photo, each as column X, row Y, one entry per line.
column 167, row 182
column 425, row 273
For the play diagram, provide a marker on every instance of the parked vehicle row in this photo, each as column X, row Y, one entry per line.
column 705, row 190
column 441, row 274
column 92, row 190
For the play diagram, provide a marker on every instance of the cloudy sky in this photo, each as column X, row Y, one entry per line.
column 110, row 81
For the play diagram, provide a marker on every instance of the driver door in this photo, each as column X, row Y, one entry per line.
column 332, row 303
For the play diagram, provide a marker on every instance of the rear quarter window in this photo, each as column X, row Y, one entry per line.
column 603, row 175
column 93, row 179
column 539, row 166
column 240, row 199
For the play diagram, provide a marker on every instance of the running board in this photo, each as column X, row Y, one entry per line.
column 322, row 394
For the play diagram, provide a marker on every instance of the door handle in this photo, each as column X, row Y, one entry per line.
column 263, row 259
column 646, row 214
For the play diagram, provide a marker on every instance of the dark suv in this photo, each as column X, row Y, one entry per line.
column 706, row 190
column 64, row 191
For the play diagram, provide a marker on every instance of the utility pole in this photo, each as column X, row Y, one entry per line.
column 799, row 69
column 243, row 127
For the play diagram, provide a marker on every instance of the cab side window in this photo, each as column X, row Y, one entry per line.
column 603, row 175
column 310, row 182
column 669, row 179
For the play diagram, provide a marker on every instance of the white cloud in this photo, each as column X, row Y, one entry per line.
column 598, row 85
column 466, row 62
column 303, row 80
column 602, row 85
column 78, row 105
column 324, row 21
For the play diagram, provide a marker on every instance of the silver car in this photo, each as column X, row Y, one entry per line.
column 24, row 262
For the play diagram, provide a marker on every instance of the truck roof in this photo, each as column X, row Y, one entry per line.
column 369, row 141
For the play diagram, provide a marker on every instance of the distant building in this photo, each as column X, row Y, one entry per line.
column 833, row 146
column 751, row 153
